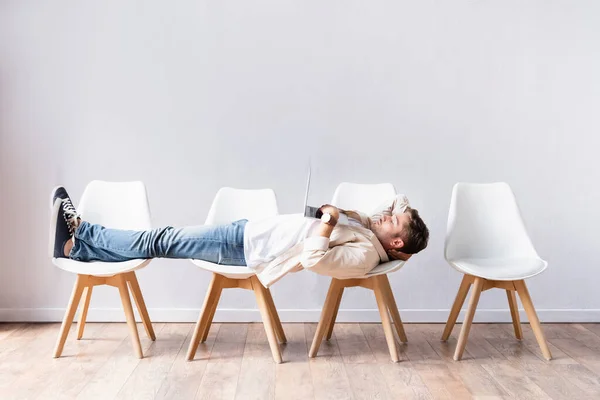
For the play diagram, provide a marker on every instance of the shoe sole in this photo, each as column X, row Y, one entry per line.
column 52, row 196
column 53, row 211
column 53, row 218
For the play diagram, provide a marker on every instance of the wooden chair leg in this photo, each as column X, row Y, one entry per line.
column 514, row 312
column 533, row 318
column 69, row 314
column 134, row 286
column 466, row 327
column 385, row 320
column 126, row 300
column 214, row 291
column 212, row 307
column 87, row 295
column 275, row 317
column 335, row 313
column 388, row 296
column 332, row 294
column 259, row 291
column 463, row 290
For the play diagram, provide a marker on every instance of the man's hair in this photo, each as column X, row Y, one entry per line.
column 415, row 233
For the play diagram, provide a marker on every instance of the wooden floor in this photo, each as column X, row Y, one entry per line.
column 236, row 363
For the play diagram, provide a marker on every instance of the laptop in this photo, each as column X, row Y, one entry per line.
column 311, row 212
column 314, row 212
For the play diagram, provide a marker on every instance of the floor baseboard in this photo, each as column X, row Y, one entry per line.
column 292, row 315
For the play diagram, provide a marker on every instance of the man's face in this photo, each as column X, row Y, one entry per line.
column 388, row 230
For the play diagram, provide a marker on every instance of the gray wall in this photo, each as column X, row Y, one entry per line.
column 190, row 96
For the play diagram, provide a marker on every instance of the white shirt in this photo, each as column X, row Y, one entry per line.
column 267, row 238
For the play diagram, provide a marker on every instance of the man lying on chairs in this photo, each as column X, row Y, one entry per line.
column 272, row 247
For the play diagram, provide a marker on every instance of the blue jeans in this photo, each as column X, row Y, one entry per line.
column 220, row 244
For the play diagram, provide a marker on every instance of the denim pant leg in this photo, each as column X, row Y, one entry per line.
column 221, row 244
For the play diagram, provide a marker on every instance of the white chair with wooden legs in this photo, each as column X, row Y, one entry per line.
column 230, row 205
column 487, row 241
column 118, row 205
column 378, row 282
column 363, row 197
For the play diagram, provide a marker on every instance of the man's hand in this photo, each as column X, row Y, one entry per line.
column 398, row 255
column 328, row 208
column 325, row 229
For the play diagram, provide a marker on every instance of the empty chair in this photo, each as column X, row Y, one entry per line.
column 487, row 241
column 119, row 205
column 363, row 197
column 230, row 205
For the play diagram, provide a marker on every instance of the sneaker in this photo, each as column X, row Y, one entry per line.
column 63, row 221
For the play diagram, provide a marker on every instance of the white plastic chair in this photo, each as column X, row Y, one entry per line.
column 487, row 241
column 119, row 205
column 230, row 205
column 363, row 197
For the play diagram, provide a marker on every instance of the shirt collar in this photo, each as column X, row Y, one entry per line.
column 380, row 250
column 376, row 243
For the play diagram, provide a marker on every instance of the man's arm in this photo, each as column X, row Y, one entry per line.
column 350, row 259
column 320, row 239
column 395, row 205
column 325, row 228
column 318, row 257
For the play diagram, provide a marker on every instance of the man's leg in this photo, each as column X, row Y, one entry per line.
column 222, row 244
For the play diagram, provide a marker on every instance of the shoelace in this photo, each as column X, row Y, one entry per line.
column 70, row 214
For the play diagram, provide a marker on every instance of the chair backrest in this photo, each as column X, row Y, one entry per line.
column 484, row 221
column 233, row 204
column 119, row 205
column 362, row 197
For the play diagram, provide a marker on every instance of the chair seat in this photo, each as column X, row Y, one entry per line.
column 229, row 271
column 500, row 269
column 99, row 268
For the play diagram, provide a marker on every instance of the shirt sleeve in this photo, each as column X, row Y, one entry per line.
column 395, row 205
column 353, row 258
column 316, row 243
